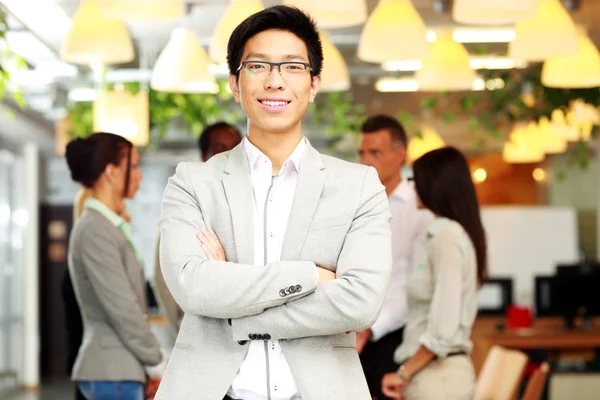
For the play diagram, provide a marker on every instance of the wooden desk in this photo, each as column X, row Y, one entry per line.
column 547, row 333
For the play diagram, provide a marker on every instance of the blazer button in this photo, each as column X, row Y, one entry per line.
column 282, row 293
column 266, row 336
column 242, row 342
column 252, row 336
column 298, row 288
column 260, row 337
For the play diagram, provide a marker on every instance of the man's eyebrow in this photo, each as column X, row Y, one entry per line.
column 263, row 56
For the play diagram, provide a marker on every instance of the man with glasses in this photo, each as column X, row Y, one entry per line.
column 383, row 146
column 277, row 254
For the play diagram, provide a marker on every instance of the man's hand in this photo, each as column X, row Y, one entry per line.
column 392, row 385
column 362, row 338
column 325, row 275
column 211, row 245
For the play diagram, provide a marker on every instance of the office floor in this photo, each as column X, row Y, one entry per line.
column 58, row 390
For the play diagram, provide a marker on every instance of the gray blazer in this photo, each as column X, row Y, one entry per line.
column 339, row 219
column 110, row 290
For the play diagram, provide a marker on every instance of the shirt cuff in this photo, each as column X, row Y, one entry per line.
column 439, row 347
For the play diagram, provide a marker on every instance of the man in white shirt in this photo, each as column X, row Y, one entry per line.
column 383, row 146
column 276, row 254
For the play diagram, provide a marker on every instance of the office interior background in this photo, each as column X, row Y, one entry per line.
column 514, row 84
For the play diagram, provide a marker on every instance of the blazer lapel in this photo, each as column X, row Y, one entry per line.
column 237, row 183
column 309, row 186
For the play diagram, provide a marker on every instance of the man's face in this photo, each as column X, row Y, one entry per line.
column 275, row 102
column 220, row 141
column 378, row 150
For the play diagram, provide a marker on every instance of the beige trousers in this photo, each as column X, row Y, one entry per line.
column 451, row 378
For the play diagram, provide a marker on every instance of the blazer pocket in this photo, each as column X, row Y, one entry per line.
column 329, row 223
column 345, row 340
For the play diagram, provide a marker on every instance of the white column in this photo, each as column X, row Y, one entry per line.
column 30, row 275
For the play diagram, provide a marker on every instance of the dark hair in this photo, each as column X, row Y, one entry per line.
column 282, row 17
column 381, row 122
column 207, row 134
column 87, row 158
column 444, row 185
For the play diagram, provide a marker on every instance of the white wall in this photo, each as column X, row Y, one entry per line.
column 527, row 241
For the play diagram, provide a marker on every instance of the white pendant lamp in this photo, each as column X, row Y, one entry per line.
column 417, row 146
column 334, row 76
column 182, row 67
column 493, row 12
column 143, row 10
column 394, row 32
column 549, row 34
column 580, row 70
column 95, row 39
column 333, row 13
column 125, row 114
column 446, row 67
column 236, row 12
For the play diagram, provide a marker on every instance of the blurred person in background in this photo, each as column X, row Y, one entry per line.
column 118, row 347
column 442, row 288
column 215, row 139
column 383, row 146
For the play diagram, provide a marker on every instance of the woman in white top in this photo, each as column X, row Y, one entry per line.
column 442, row 289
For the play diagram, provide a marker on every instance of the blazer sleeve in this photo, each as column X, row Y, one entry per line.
column 101, row 256
column 218, row 289
column 353, row 300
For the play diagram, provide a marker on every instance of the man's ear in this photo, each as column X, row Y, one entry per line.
column 314, row 88
column 234, row 85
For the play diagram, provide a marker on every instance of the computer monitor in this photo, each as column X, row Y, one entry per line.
column 575, row 291
column 495, row 296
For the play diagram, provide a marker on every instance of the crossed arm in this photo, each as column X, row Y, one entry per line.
column 249, row 294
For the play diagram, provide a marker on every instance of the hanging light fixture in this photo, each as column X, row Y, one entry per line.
column 549, row 34
column 95, row 39
column 446, row 67
column 550, row 142
column 394, row 32
column 492, row 12
column 142, row 10
column 417, row 146
column 522, row 147
column 236, row 12
column 580, row 70
column 334, row 76
column 125, row 114
column 333, row 13
column 183, row 66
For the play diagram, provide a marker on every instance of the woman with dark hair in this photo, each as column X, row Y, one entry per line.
column 442, row 289
column 106, row 272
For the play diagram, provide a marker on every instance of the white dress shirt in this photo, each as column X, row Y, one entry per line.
column 265, row 373
column 409, row 225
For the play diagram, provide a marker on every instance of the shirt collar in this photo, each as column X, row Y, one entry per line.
column 403, row 191
column 104, row 210
column 255, row 155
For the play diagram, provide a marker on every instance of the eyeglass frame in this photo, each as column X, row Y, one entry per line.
column 275, row 64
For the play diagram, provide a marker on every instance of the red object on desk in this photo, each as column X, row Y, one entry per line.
column 519, row 317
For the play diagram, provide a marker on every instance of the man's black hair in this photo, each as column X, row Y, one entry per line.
column 285, row 18
column 209, row 131
column 384, row 122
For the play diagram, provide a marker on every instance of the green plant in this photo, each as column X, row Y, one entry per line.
column 9, row 61
column 191, row 111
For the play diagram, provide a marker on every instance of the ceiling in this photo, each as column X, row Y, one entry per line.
column 41, row 25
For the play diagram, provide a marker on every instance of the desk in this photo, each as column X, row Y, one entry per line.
column 547, row 333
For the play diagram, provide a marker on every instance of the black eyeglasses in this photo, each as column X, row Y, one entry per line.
column 287, row 69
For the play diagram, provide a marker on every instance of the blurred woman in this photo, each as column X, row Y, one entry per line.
column 442, row 289
column 106, row 271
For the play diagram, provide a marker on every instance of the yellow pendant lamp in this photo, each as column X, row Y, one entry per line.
column 446, row 67
column 95, row 39
column 394, row 32
column 417, row 146
column 333, row 13
column 143, row 10
column 334, row 76
column 492, row 12
column 522, row 147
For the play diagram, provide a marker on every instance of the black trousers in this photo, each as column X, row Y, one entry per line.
column 377, row 359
